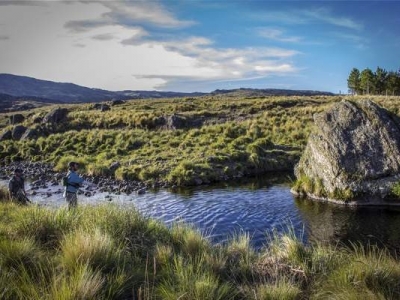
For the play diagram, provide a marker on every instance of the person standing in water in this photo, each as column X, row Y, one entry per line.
column 16, row 188
column 72, row 183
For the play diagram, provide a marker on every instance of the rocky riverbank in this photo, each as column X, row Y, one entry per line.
column 41, row 176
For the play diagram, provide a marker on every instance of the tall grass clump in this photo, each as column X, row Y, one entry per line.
column 191, row 280
column 108, row 252
column 364, row 273
column 4, row 197
column 97, row 250
column 45, row 226
column 239, row 258
column 280, row 290
column 395, row 191
column 189, row 241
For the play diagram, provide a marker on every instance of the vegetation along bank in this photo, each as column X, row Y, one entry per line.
column 105, row 252
column 187, row 141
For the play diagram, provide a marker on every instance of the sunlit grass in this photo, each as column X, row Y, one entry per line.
column 107, row 252
column 216, row 134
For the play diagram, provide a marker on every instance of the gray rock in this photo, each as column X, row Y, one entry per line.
column 176, row 122
column 105, row 107
column 6, row 135
column 18, row 131
column 141, row 191
column 16, row 119
column 37, row 119
column 30, row 134
column 56, row 116
column 115, row 165
column 117, row 102
column 355, row 147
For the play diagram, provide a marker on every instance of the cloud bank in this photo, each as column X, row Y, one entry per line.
column 120, row 45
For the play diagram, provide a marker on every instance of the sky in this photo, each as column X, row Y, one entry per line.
column 198, row 45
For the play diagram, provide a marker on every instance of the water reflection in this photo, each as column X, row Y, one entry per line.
column 331, row 223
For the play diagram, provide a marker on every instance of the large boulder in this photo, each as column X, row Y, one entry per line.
column 176, row 122
column 56, row 116
column 31, row 133
column 16, row 119
column 18, row 131
column 116, row 102
column 6, row 135
column 353, row 152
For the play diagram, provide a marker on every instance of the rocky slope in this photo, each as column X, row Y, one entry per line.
column 353, row 153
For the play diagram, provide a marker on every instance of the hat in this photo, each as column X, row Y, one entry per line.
column 18, row 171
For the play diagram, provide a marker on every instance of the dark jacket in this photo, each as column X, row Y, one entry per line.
column 15, row 184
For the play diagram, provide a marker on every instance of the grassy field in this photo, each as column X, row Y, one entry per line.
column 106, row 252
column 179, row 141
column 217, row 138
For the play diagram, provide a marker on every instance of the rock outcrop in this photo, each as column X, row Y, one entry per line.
column 56, row 116
column 18, row 131
column 6, row 135
column 16, row 119
column 353, row 152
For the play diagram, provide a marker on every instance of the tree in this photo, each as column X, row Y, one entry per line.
column 380, row 81
column 393, row 83
column 353, row 82
column 367, row 82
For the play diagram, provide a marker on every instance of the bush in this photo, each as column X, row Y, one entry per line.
column 395, row 191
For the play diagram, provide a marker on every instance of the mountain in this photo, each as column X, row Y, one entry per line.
column 15, row 88
column 246, row 92
column 22, row 86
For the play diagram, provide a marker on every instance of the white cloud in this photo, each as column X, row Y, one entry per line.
column 324, row 15
column 129, row 13
column 282, row 68
column 303, row 16
column 144, row 11
column 93, row 44
column 277, row 35
column 22, row 3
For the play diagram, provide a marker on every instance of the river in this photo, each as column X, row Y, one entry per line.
column 257, row 207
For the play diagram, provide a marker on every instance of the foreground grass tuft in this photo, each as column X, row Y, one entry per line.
column 107, row 252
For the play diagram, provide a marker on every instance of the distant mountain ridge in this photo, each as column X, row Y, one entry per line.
column 21, row 87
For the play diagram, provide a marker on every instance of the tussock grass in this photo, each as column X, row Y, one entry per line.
column 280, row 290
column 217, row 138
column 192, row 280
column 107, row 252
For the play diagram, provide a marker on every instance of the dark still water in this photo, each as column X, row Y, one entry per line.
column 261, row 206
column 223, row 212
column 257, row 207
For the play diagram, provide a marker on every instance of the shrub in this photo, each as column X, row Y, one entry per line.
column 395, row 191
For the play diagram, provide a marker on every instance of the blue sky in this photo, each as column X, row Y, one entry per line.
column 198, row 45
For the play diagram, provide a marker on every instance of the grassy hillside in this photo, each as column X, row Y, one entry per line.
column 181, row 141
column 105, row 252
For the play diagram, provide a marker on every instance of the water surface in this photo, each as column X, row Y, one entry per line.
column 257, row 207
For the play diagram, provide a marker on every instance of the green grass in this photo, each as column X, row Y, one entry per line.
column 106, row 252
column 223, row 138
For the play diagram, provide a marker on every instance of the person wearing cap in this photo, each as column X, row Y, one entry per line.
column 16, row 188
column 74, row 181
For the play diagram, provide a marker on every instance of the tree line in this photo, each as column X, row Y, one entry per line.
column 380, row 82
